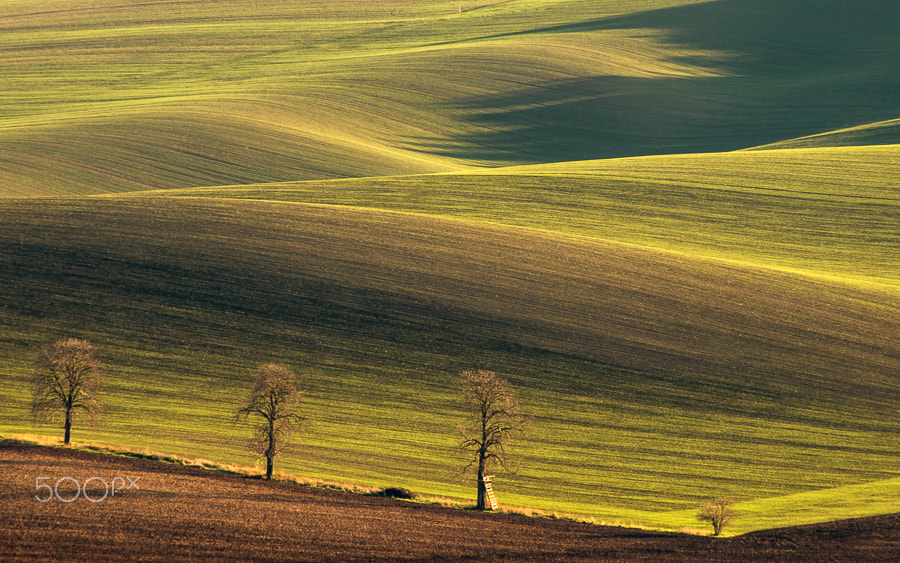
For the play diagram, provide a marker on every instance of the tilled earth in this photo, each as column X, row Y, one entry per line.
column 172, row 512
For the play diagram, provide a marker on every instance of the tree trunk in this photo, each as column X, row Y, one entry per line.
column 481, row 502
column 68, row 427
column 270, row 450
column 482, row 494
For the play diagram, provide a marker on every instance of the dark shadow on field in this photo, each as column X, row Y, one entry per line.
column 785, row 69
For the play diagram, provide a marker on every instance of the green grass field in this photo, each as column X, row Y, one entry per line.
column 830, row 212
column 655, row 379
column 382, row 197
column 112, row 97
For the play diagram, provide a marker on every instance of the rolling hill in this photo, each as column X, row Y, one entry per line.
column 382, row 197
column 701, row 374
column 179, row 94
column 826, row 212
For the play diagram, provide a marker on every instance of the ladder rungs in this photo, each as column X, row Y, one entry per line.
column 489, row 492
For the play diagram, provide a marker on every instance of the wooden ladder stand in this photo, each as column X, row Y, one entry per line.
column 489, row 492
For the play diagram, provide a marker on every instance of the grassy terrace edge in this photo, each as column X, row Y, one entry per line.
column 813, row 507
column 826, row 212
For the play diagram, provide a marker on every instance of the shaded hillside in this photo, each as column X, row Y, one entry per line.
column 777, row 69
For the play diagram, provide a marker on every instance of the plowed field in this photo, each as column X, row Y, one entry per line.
column 170, row 512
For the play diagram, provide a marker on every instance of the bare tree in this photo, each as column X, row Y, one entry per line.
column 495, row 420
column 718, row 512
column 275, row 402
column 66, row 378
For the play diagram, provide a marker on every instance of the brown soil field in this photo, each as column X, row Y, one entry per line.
column 174, row 512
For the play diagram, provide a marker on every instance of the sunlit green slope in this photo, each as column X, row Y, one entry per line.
column 112, row 96
column 880, row 133
column 654, row 379
column 829, row 212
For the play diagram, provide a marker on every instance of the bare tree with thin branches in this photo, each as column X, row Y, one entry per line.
column 495, row 421
column 274, row 403
column 66, row 379
column 718, row 512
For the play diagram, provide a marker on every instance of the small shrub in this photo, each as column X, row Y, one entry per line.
column 396, row 492
column 718, row 512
